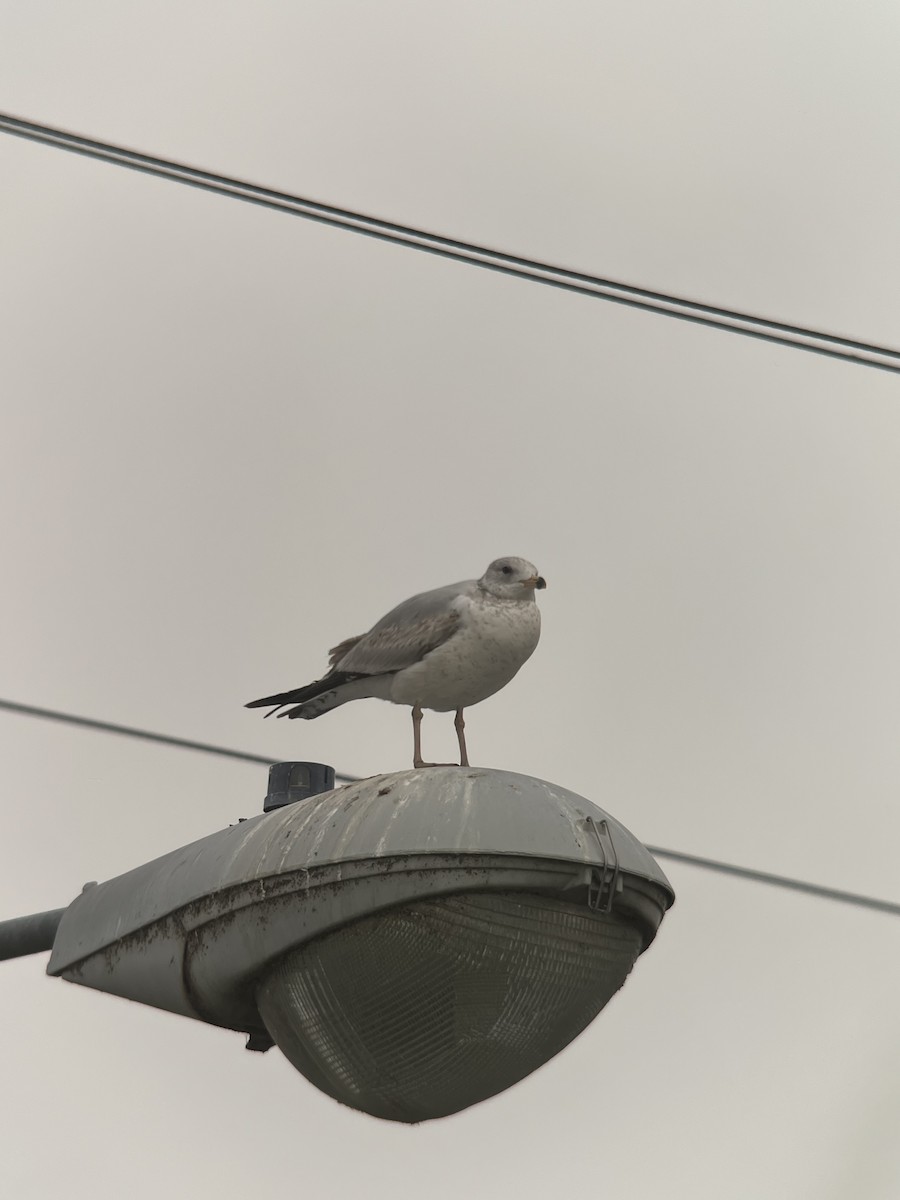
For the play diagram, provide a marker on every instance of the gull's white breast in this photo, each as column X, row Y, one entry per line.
column 494, row 639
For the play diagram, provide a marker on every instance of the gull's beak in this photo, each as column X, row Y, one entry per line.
column 535, row 581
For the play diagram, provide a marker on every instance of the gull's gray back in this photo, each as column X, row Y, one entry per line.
column 408, row 632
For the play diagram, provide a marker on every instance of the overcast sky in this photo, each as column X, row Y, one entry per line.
column 232, row 438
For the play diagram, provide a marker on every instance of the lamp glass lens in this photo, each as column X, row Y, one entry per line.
column 422, row 1010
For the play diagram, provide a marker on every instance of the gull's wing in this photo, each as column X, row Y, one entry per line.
column 403, row 637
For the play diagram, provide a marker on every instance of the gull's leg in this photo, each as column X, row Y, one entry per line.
column 461, row 738
column 417, row 742
column 417, row 737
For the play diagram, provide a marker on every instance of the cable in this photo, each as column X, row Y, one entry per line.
column 777, row 332
column 49, row 714
column 709, row 864
column 784, row 881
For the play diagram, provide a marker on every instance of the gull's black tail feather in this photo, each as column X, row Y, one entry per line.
column 302, row 694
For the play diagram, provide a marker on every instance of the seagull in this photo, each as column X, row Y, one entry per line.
column 445, row 650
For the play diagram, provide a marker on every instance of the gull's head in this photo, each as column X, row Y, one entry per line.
column 512, row 579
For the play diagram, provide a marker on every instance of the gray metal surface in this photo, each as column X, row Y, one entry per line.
column 190, row 931
column 29, row 935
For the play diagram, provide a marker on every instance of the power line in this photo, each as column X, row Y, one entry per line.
column 709, row 864
column 49, row 714
column 784, row 881
column 712, row 316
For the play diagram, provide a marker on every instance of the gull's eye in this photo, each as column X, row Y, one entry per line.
column 507, row 570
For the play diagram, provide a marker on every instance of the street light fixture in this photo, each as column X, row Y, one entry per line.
column 413, row 943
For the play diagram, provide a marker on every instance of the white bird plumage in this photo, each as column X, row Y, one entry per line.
column 445, row 650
